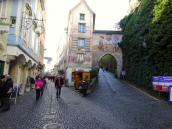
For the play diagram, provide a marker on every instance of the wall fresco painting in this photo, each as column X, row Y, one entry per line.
column 104, row 43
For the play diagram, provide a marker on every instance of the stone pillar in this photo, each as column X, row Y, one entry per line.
column 27, row 86
column 6, row 68
column 13, row 70
column 19, row 74
column 69, row 76
column 23, row 78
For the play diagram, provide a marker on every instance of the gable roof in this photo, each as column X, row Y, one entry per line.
column 107, row 32
column 83, row 2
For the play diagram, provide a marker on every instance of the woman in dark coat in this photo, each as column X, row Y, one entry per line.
column 6, row 91
column 58, row 84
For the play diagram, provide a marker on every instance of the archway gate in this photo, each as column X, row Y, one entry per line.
column 106, row 43
column 97, row 57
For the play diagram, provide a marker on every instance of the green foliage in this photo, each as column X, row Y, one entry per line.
column 147, row 41
column 109, row 62
column 4, row 24
column 159, row 8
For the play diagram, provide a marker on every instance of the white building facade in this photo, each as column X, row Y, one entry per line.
column 23, row 46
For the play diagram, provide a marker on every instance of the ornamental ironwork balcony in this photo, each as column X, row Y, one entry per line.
column 31, row 22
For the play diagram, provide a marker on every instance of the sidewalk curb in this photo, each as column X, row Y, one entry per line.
column 141, row 91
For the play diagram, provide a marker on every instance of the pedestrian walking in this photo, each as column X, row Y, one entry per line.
column 103, row 69
column 58, row 84
column 32, row 80
column 115, row 73
column 38, row 86
column 46, row 80
column 44, row 83
column 123, row 73
column 6, row 90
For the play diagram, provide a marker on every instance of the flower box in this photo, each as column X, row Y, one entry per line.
column 4, row 27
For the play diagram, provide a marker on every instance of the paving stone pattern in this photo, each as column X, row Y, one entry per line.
column 113, row 105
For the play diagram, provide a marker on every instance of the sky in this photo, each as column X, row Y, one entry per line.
column 108, row 13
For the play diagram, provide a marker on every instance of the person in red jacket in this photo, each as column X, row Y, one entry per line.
column 58, row 84
column 38, row 86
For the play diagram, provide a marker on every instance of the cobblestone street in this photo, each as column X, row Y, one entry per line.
column 113, row 105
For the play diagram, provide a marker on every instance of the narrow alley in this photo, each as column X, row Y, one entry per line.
column 108, row 57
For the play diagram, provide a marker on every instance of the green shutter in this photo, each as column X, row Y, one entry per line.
column 1, row 67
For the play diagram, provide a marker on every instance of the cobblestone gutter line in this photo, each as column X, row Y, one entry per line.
column 141, row 91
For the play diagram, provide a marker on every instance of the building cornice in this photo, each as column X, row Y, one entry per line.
column 22, row 49
column 107, row 32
